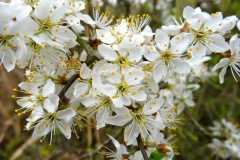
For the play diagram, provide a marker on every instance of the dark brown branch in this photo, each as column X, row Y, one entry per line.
column 198, row 126
column 68, row 85
column 141, row 146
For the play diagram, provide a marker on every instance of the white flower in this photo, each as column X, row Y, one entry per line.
column 141, row 121
column 184, row 96
column 121, row 89
column 232, row 60
column 53, row 119
column 121, row 60
column 12, row 31
column 85, row 82
column 206, row 31
column 219, row 149
column 121, row 150
column 37, row 96
column 102, row 20
column 49, row 29
column 167, row 55
column 229, row 144
column 100, row 104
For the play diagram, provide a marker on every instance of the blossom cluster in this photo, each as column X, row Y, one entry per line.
column 122, row 74
column 227, row 143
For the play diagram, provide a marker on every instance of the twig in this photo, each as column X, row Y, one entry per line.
column 95, row 151
column 85, row 46
column 20, row 150
column 68, row 85
column 141, row 146
column 197, row 124
column 89, row 132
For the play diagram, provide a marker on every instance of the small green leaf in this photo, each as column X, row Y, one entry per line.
column 156, row 155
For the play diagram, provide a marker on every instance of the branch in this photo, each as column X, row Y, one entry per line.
column 141, row 146
column 20, row 150
column 68, row 85
column 197, row 124
column 95, row 151
column 85, row 46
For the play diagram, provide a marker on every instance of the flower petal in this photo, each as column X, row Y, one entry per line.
column 223, row 62
column 107, row 52
column 162, row 39
column 48, row 89
column 85, row 72
column 66, row 114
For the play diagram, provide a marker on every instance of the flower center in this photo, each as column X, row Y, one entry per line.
column 199, row 36
column 30, row 2
column 4, row 39
column 45, row 25
column 166, row 56
column 122, row 62
column 122, row 87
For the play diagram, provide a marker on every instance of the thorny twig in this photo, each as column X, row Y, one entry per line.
column 95, row 151
column 141, row 146
column 197, row 124
column 68, row 85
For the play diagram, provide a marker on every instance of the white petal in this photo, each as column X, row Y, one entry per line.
column 234, row 45
column 41, row 129
column 130, row 134
column 58, row 14
column 66, row 114
column 43, row 8
column 85, row 72
column 181, row 66
column 179, row 43
column 138, row 96
column 216, row 43
column 65, row 128
column 37, row 113
column 227, row 24
column 214, row 20
column 150, row 54
column 135, row 54
column 238, row 25
column 63, row 34
column 49, row 88
column 134, row 77
column 80, row 90
column 159, row 71
column 188, row 11
column 105, row 36
column 102, row 116
column 119, row 120
column 115, row 142
column 117, row 102
column 162, row 39
column 89, row 101
column 86, row 18
column 51, row 103
column 223, row 62
column 29, row 87
column 9, row 60
column 198, row 50
column 153, row 106
column 222, row 74
column 107, row 52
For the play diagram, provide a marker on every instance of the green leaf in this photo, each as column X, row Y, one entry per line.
column 156, row 155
